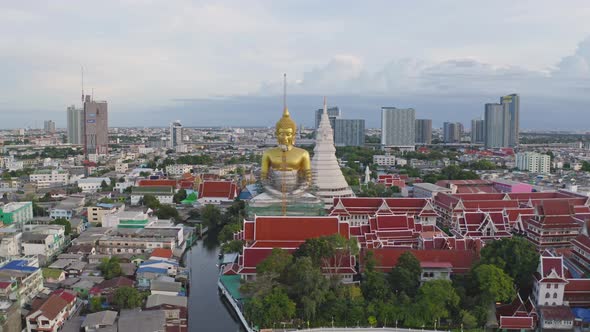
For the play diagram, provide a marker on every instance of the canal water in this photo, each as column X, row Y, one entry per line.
column 207, row 311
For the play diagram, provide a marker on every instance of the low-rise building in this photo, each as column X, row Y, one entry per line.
column 428, row 190
column 92, row 185
column 164, row 194
column 10, row 243
column 68, row 207
column 46, row 178
column 384, row 160
column 100, row 321
column 16, row 212
column 53, row 313
column 25, row 278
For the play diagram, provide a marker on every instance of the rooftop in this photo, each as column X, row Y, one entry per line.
column 13, row 206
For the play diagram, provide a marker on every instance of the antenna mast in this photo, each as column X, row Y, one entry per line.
column 82, row 74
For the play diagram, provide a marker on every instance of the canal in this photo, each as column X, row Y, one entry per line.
column 206, row 309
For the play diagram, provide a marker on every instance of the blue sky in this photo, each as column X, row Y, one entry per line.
column 221, row 63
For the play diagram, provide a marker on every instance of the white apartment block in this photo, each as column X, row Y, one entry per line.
column 49, row 178
column 92, row 185
column 177, row 170
column 121, row 168
column 384, row 160
column 533, row 162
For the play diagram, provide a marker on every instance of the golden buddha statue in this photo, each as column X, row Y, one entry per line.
column 286, row 168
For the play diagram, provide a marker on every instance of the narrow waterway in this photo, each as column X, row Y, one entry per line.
column 206, row 309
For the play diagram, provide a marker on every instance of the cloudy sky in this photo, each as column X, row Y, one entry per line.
column 221, row 63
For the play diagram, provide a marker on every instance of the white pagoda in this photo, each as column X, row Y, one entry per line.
column 326, row 174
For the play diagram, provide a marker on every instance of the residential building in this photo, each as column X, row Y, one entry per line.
column 92, row 185
column 478, row 134
column 178, row 169
column 333, row 114
column 533, row 162
column 348, row 132
column 384, row 160
column 121, row 168
column 428, row 190
column 163, row 194
column 512, row 103
column 46, row 178
column 95, row 214
column 96, row 127
column 175, row 134
column 497, row 125
column 42, row 243
column 10, row 243
column 68, row 208
column 398, row 127
column 141, row 321
column 423, row 131
column 53, row 313
column 127, row 219
column 16, row 212
column 100, row 321
column 49, row 126
column 452, row 132
column 26, row 275
column 75, row 125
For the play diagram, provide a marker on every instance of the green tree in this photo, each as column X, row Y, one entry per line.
column 228, row 231
column 151, row 201
column 166, row 211
column 405, row 276
column 271, row 309
column 127, row 298
column 375, row 286
column 276, row 263
column 103, row 185
column 179, row 196
column 516, row 256
column 110, row 267
column 211, row 216
column 232, row 246
column 306, row 285
column 436, row 299
column 494, row 285
column 65, row 223
column 96, row 303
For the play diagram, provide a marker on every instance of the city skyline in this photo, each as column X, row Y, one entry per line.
column 420, row 60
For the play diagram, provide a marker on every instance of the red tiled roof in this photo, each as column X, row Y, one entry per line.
column 4, row 285
column 460, row 261
column 516, row 323
column 161, row 252
column 557, row 313
column 297, row 228
column 549, row 264
column 158, row 182
column 222, row 189
column 556, row 208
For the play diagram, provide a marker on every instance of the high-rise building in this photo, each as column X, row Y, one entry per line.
column 452, row 132
column 75, row 125
column 96, row 127
column 533, row 162
column 175, row 134
column 477, row 131
column 513, row 111
column 423, row 131
column 333, row 114
column 349, row 132
column 496, row 125
column 49, row 126
column 398, row 126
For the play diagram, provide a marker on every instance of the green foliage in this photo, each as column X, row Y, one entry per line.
column 375, row 286
column 482, row 164
column 516, row 256
column 232, row 246
column 167, row 212
column 195, row 160
column 436, row 299
column 268, row 310
column 227, row 232
column 211, row 216
column 64, row 222
column 96, row 303
column 127, row 298
column 144, row 174
column 179, row 196
column 378, row 190
column 405, row 276
column 110, row 268
column 494, row 285
column 306, row 285
column 468, row 320
column 585, row 166
column 276, row 263
column 151, row 201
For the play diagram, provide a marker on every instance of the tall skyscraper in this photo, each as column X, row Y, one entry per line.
column 477, row 131
column 452, row 132
column 513, row 103
column 497, row 125
column 175, row 134
column 333, row 114
column 423, row 131
column 75, row 125
column 398, row 126
column 349, row 132
column 49, row 126
column 96, row 127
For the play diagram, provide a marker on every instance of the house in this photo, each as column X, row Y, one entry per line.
column 100, row 320
column 159, row 299
column 164, row 194
column 53, row 313
column 161, row 254
column 153, row 269
column 25, row 277
column 518, row 315
column 108, row 287
column 134, row 320
column 556, row 318
column 217, row 192
column 92, row 185
column 53, row 275
column 165, row 288
column 176, row 317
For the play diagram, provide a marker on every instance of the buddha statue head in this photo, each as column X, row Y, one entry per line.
column 286, row 130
